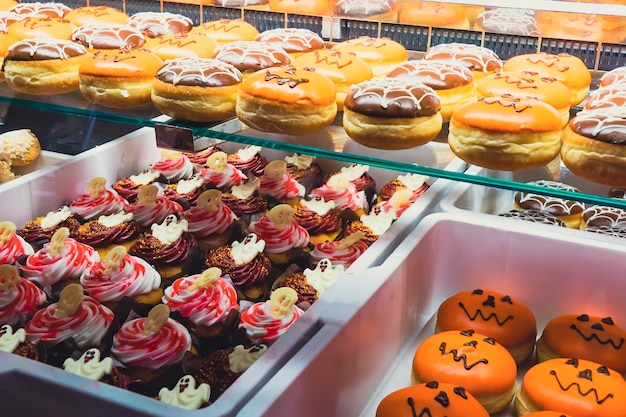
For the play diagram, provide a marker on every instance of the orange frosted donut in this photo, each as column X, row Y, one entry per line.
column 470, row 360
column 481, row 61
column 445, row 15
column 56, row 10
column 380, row 53
column 294, row 41
column 6, row 41
column 453, row 83
column 44, row 66
column 584, row 336
column 119, row 79
column 615, row 76
column 41, row 27
column 96, row 14
column 508, row 21
column 224, row 31
column 344, row 70
column 384, row 10
column 7, row 4
column 153, row 24
column 392, row 113
column 594, row 145
column 581, row 26
column 179, row 45
column 7, row 18
column 568, row 69
column 505, row 133
column 307, row 7
column 294, row 101
column 108, row 36
column 577, row 387
column 249, row 57
column 433, row 399
column 527, row 84
column 196, row 89
column 246, row 4
column 493, row 314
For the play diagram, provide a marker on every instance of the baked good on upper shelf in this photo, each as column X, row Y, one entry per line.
column 505, row 133
column 392, row 113
column 251, row 56
column 40, row 27
column 383, row 10
column 508, row 21
column 471, row 360
column 307, row 7
column 433, row 398
column 582, row 26
column 182, row 45
column 478, row 59
column 21, row 146
column 96, row 36
column 574, row 386
column 493, row 314
column 155, row 24
column 445, row 15
column 568, row 211
column 86, row 15
column 225, row 31
column 294, row 41
column 381, row 54
column 40, row 9
column 584, row 336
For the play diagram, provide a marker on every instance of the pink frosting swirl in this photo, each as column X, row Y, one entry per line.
column 155, row 350
column 204, row 306
column 204, row 223
column 347, row 197
column 262, row 326
column 13, row 249
column 281, row 189
column 70, row 263
column 336, row 254
column 147, row 214
column 87, row 326
column 223, row 179
column 133, row 277
column 18, row 303
column 108, row 202
column 276, row 240
column 174, row 169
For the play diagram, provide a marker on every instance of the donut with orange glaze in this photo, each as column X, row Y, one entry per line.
column 471, row 360
column 288, row 100
column 581, row 26
column 49, row 9
column 343, row 69
column 577, row 387
column 44, row 66
column 153, row 24
column 179, row 45
column 97, row 36
column 527, row 84
column 584, row 336
column 41, row 27
column 224, row 31
column 480, row 60
column 493, row 314
column 380, row 53
column 505, row 133
column 453, row 83
column 433, row 399
column 96, row 14
column 119, row 79
column 7, row 4
column 8, row 18
column 6, row 41
column 444, row 15
column 568, row 69
column 306, row 7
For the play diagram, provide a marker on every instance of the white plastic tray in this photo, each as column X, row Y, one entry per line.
column 364, row 348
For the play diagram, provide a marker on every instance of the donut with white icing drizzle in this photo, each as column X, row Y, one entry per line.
column 153, row 24
column 294, row 41
column 480, row 60
column 108, row 36
column 249, row 57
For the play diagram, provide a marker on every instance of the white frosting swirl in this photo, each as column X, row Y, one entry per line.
column 248, row 153
column 300, row 161
column 116, row 219
column 412, row 181
column 354, row 171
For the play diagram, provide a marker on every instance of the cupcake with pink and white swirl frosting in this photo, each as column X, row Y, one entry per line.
column 151, row 207
column 220, row 173
column 174, row 167
column 12, row 245
column 63, row 258
column 75, row 316
column 343, row 192
column 281, row 233
column 340, row 252
column 98, row 200
column 210, row 221
column 205, row 299
column 278, row 183
column 266, row 321
column 19, row 298
column 153, row 342
column 249, row 159
column 120, row 275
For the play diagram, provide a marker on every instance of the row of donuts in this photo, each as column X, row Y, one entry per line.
column 483, row 337
column 114, row 286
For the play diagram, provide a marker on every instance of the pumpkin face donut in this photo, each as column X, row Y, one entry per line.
column 381, row 54
column 583, row 336
column 471, row 360
column 181, row 45
column 225, row 31
column 96, row 14
column 41, row 27
column 493, row 314
column 434, row 399
column 577, row 387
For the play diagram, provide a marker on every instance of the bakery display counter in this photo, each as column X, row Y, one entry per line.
column 372, row 332
column 49, row 188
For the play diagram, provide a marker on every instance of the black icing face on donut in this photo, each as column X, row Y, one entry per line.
column 585, row 379
column 488, row 306
column 600, row 330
